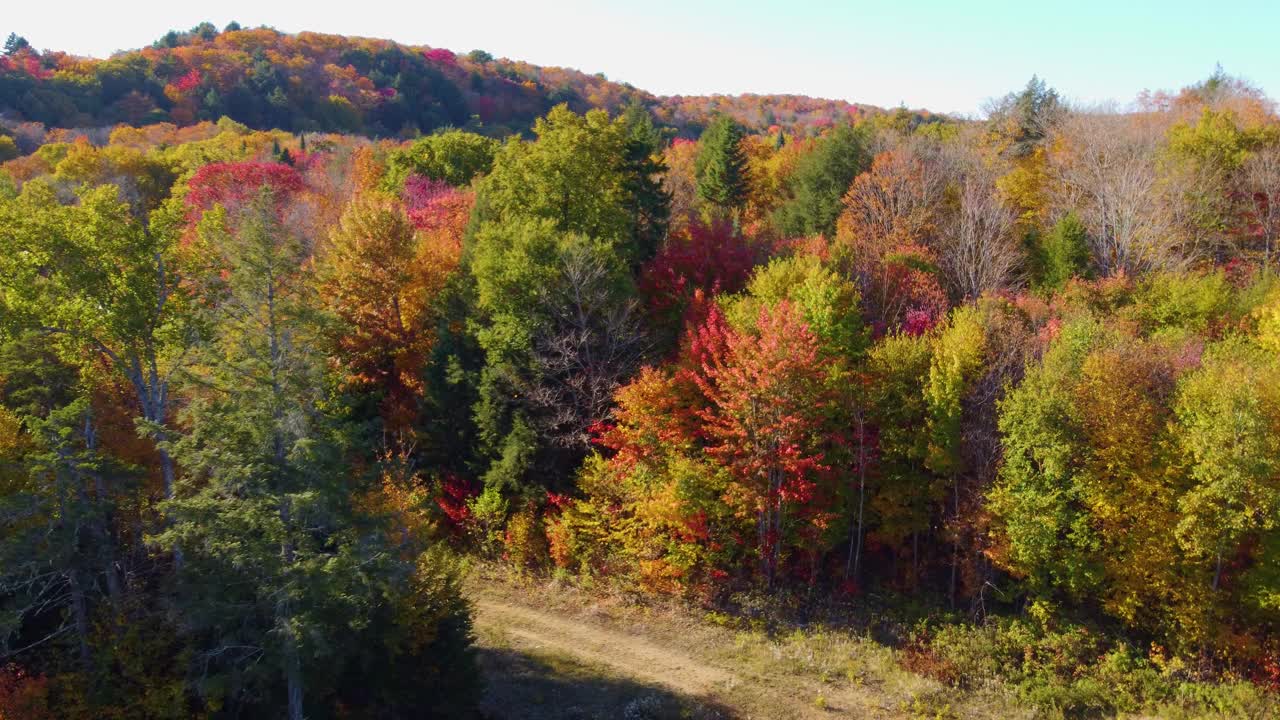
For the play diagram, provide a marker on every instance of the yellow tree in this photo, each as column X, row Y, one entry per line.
column 372, row 280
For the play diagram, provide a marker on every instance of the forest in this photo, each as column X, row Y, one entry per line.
column 296, row 329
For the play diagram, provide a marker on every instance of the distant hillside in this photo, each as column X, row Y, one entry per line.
column 310, row 81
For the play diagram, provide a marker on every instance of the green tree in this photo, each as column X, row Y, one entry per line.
column 1064, row 252
column 649, row 201
column 1044, row 534
column 105, row 283
column 452, row 156
column 292, row 587
column 721, row 165
column 572, row 175
column 826, row 301
column 821, row 179
column 958, row 356
column 897, row 369
column 1229, row 416
column 58, row 550
column 15, row 43
column 558, row 328
column 1021, row 121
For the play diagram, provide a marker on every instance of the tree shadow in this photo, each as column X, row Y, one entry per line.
column 526, row 687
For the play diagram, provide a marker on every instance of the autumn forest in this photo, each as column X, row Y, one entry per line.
column 297, row 331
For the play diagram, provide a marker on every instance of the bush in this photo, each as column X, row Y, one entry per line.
column 525, row 540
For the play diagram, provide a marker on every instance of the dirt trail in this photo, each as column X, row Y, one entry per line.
column 626, row 654
column 690, row 664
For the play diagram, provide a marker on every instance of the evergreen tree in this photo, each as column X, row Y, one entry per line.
column 821, row 180
column 721, row 166
column 649, row 201
column 1022, row 120
column 1064, row 252
column 15, row 43
column 283, row 566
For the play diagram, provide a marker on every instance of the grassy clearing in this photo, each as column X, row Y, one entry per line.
column 553, row 650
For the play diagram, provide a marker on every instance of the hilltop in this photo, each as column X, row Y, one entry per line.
column 309, row 81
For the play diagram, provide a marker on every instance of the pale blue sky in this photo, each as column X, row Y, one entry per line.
column 945, row 55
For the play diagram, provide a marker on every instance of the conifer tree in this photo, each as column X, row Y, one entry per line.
column 721, row 166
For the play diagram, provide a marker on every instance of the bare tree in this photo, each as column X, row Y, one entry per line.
column 1260, row 194
column 594, row 344
column 1106, row 166
column 977, row 246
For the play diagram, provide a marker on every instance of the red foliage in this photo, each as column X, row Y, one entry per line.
column 440, row 212
column 23, row 696
column 455, row 494
column 188, row 82
column 918, row 322
column 421, row 192
column 902, row 290
column 441, row 56
column 656, row 412
column 710, row 258
column 765, row 421
column 232, row 184
column 707, row 338
column 25, row 61
column 557, row 502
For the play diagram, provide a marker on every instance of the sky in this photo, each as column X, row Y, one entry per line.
column 943, row 55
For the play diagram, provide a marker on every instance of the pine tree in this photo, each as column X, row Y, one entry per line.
column 821, row 179
column 649, row 201
column 262, row 506
column 15, row 43
column 721, row 167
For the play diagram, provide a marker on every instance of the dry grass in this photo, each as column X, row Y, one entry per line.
column 552, row 651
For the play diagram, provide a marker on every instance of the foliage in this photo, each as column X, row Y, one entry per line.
column 820, row 181
column 721, row 166
column 451, row 156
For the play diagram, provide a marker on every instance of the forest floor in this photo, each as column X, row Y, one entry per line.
column 549, row 650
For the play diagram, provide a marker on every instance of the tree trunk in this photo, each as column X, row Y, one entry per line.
column 102, row 520
column 955, row 539
column 855, row 550
column 80, row 611
column 1217, row 569
column 292, row 663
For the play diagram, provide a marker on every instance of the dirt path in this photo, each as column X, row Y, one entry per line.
column 628, row 655
column 548, row 656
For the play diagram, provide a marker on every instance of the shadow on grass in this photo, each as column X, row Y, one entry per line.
column 520, row 686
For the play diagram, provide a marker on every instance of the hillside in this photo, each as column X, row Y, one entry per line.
column 314, row 82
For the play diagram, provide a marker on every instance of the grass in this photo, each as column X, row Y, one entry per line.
column 874, row 668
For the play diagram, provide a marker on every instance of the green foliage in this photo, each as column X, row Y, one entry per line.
column 1021, row 121
column 1190, row 302
column 572, row 176
column 820, row 181
column 957, row 358
column 898, row 367
column 452, row 156
column 553, row 311
column 1074, row 671
column 827, row 302
column 1037, row 499
column 643, row 168
column 1228, row 413
column 721, row 165
column 1064, row 253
